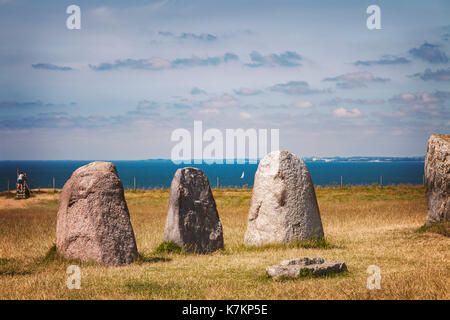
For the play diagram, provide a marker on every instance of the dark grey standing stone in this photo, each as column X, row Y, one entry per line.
column 93, row 221
column 192, row 217
column 284, row 206
column 437, row 178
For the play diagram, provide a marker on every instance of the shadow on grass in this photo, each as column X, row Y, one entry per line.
column 13, row 267
column 442, row 228
column 142, row 258
column 306, row 244
column 54, row 257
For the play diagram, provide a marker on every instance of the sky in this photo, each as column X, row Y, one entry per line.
column 136, row 71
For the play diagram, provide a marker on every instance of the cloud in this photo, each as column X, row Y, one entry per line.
column 16, row 104
column 49, row 66
column 420, row 98
column 430, row 53
column 438, row 75
column 245, row 115
column 347, row 113
column 294, row 88
column 159, row 63
column 189, row 36
column 32, row 104
column 424, row 104
column 286, row 59
column 356, row 80
column 221, row 102
column 385, row 60
column 209, row 61
column 196, row 90
column 337, row 101
column 247, row 92
column 392, row 114
column 303, row 104
column 144, row 64
column 209, row 111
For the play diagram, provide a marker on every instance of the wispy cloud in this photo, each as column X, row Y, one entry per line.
column 303, row 104
column 49, row 66
column 438, row 75
column 159, row 63
column 355, row 80
column 430, row 53
column 337, row 101
column 294, row 88
column 347, row 113
column 144, row 64
column 221, row 102
column 285, row 59
column 409, row 98
column 208, row 61
column 247, row 92
column 196, row 90
column 32, row 104
column 384, row 60
column 208, row 37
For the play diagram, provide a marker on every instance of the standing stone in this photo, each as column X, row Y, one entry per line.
column 192, row 218
column 284, row 205
column 93, row 221
column 437, row 178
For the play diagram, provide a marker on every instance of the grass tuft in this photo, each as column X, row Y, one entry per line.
column 442, row 228
column 142, row 258
column 168, row 247
column 319, row 243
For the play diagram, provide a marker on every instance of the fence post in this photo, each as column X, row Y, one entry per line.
column 8, row 185
column 381, row 181
column 423, row 180
column 217, row 182
column 341, row 182
column 134, row 179
column 53, row 184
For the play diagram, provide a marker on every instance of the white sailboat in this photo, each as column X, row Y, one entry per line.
column 242, row 176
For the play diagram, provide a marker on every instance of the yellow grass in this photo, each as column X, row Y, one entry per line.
column 364, row 226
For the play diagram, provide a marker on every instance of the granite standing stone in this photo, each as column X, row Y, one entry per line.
column 437, row 178
column 284, row 206
column 192, row 217
column 93, row 221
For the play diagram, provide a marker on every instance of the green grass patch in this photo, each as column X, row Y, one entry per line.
column 442, row 228
column 168, row 247
column 142, row 258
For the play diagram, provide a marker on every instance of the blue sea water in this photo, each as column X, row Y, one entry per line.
column 159, row 173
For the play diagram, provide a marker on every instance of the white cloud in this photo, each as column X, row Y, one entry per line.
column 247, row 92
column 209, row 111
column 347, row 113
column 245, row 115
column 221, row 102
column 303, row 104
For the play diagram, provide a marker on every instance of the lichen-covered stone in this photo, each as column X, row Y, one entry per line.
column 93, row 222
column 284, row 206
column 437, row 178
column 305, row 266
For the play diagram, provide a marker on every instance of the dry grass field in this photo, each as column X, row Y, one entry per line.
column 363, row 226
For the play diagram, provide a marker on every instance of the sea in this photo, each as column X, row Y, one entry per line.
column 158, row 173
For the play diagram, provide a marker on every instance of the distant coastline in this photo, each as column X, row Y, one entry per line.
column 158, row 173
